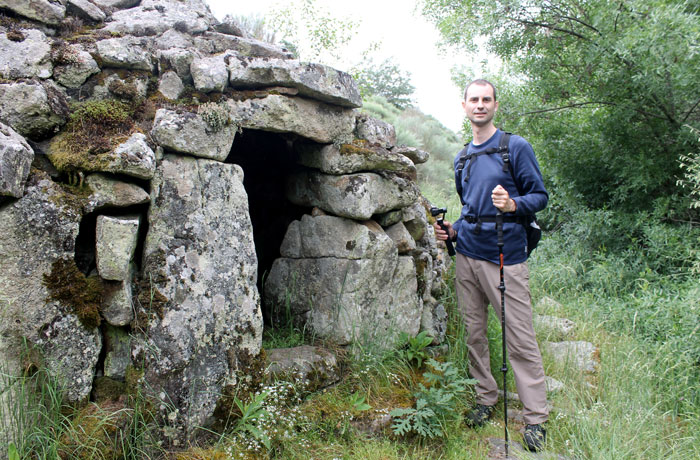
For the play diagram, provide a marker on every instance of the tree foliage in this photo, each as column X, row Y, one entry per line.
column 387, row 80
column 311, row 32
column 608, row 87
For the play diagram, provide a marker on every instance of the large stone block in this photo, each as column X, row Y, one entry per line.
column 353, row 289
column 35, row 231
column 316, row 81
column 200, row 266
column 356, row 196
column 190, row 133
column 317, row 121
column 209, row 73
column 108, row 192
column 375, row 131
column 15, row 160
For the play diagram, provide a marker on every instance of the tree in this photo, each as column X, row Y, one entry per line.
column 607, row 86
column 387, row 80
column 312, row 33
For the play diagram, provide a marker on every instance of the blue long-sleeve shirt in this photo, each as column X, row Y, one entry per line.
column 485, row 173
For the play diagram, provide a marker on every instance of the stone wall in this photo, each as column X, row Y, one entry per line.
column 128, row 243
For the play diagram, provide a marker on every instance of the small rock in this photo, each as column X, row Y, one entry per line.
column 110, row 192
column 313, row 366
column 115, row 243
column 375, row 131
column 16, row 158
column 45, row 11
column 581, row 354
column 85, row 10
column 417, row 156
column 206, row 135
column 124, row 52
column 170, row 85
column 552, row 324
column 210, row 73
column 28, row 58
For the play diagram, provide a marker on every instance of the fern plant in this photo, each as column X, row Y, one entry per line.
column 435, row 405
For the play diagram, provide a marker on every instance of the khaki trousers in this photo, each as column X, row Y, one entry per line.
column 477, row 284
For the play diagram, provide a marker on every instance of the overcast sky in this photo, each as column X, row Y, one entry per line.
column 404, row 34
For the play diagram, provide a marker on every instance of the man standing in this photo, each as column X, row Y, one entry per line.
column 486, row 186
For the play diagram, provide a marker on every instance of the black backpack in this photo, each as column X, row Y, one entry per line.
column 532, row 229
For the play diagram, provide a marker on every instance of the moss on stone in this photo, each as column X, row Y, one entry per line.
column 357, row 147
column 69, row 286
column 94, row 128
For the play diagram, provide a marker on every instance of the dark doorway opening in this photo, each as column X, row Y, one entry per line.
column 267, row 159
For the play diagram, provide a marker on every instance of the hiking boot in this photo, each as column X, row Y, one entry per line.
column 534, row 437
column 478, row 416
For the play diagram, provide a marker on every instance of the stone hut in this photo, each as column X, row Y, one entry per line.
column 169, row 187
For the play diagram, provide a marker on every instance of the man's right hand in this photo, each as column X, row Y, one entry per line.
column 440, row 234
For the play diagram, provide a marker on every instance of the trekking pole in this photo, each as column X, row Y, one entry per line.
column 502, row 288
column 440, row 214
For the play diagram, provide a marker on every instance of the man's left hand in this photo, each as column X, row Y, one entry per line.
column 501, row 199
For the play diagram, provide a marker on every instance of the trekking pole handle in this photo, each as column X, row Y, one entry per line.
column 448, row 242
column 499, row 228
column 439, row 214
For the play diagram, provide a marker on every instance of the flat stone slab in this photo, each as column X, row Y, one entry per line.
column 319, row 122
column 313, row 367
column 316, row 81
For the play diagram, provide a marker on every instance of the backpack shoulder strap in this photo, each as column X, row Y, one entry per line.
column 504, row 149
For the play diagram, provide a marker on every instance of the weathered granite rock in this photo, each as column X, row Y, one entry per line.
column 35, row 231
column 230, row 26
column 28, row 58
column 548, row 305
column 125, row 52
column 417, row 156
column 189, row 133
column 117, row 307
column 434, row 320
column 153, row 17
column 415, row 219
column 331, row 236
column 76, row 66
column 200, row 261
column 553, row 385
column 553, row 325
column 113, row 193
column 402, row 239
column 316, row 121
column 356, row 196
column 118, row 4
column 387, row 219
column 117, row 352
column 177, row 59
column 356, row 289
column 171, row 38
column 28, row 108
column 350, row 158
column 115, row 244
column 45, row 11
column 133, row 157
column 170, row 85
column 210, row 73
column 375, row 131
column 582, row 355
column 310, row 367
column 214, row 42
column 85, row 10
column 16, row 158
column 315, row 81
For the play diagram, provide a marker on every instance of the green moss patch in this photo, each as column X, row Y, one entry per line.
column 93, row 128
column 68, row 285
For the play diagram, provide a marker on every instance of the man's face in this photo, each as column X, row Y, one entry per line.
column 480, row 105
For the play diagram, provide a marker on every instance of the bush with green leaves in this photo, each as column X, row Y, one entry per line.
column 435, row 404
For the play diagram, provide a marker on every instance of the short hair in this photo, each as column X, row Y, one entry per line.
column 481, row 82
